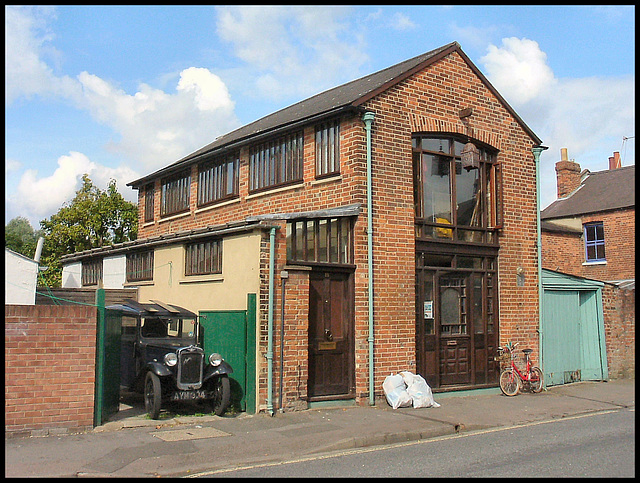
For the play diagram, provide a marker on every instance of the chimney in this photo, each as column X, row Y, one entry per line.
column 568, row 174
column 614, row 161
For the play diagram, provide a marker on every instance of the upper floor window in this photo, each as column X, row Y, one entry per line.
column 149, row 195
column 276, row 162
column 175, row 194
column 328, row 148
column 91, row 271
column 139, row 266
column 323, row 240
column 452, row 201
column 203, row 258
column 594, row 242
column 218, row 179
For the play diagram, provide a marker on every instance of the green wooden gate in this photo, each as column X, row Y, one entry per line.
column 573, row 340
column 232, row 333
column 107, row 386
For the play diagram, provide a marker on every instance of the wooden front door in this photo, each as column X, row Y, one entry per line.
column 331, row 358
column 454, row 329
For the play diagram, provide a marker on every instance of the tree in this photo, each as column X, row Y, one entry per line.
column 20, row 236
column 93, row 219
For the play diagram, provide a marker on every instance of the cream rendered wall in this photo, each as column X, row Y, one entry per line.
column 227, row 291
column 20, row 279
column 72, row 275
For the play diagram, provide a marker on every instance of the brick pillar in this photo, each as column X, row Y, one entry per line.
column 568, row 175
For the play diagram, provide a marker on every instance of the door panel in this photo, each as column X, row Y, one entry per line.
column 455, row 342
column 331, row 366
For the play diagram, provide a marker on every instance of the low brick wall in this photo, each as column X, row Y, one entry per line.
column 49, row 369
column 620, row 331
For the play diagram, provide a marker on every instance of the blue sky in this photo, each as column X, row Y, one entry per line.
column 119, row 92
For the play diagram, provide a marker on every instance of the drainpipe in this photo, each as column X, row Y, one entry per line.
column 272, row 256
column 368, row 120
column 537, row 150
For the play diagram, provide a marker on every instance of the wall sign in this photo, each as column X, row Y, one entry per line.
column 428, row 309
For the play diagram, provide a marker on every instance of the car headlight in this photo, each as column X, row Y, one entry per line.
column 215, row 359
column 171, row 359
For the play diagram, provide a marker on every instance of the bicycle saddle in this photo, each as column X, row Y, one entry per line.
column 527, row 351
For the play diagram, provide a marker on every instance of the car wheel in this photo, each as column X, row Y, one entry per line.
column 152, row 395
column 222, row 391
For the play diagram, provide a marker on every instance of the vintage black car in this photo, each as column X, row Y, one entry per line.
column 162, row 357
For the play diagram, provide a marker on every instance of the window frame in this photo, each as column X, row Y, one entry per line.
column 276, row 162
column 201, row 247
column 149, row 202
column 140, row 266
column 327, row 148
column 448, row 153
column 92, row 272
column 218, row 179
column 596, row 243
column 175, row 194
column 320, row 241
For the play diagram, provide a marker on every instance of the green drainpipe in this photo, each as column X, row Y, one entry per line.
column 272, row 251
column 368, row 120
column 537, row 150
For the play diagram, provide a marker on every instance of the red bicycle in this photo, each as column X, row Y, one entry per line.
column 512, row 380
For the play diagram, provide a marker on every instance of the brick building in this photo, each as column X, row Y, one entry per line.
column 589, row 231
column 387, row 224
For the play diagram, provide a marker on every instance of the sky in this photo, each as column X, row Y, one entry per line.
column 118, row 92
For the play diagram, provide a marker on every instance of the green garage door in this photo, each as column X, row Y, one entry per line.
column 231, row 333
column 573, row 343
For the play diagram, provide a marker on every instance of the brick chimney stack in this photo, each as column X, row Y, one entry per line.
column 567, row 174
column 614, row 161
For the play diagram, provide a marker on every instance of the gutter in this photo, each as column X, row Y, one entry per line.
column 368, row 120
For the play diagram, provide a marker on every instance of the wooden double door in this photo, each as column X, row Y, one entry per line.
column 456, row 328
column 331, row 335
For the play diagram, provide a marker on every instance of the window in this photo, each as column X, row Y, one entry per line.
column 175, row 194
column 148, row 202
column 140, row 266
column 594, row 242
column 451, row 201
column 91, row 271
column 218, row 179
column 277, row 162
column 203, row 258
column 323, row 240
column 328, row 148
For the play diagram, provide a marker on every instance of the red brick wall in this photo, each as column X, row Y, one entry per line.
column 427, row 101
column 565, row 253
column 49, row 368
column 620, row 331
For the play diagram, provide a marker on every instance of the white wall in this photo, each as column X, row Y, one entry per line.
column 113, row 271
column 72, row 275
column 20, row 279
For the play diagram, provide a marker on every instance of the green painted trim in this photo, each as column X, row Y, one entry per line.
column 251, row 354
column 337, row 403
column 468, row 392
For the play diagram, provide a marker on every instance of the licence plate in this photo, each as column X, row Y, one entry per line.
column 188, row 395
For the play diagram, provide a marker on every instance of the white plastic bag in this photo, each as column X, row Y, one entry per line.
column 395, row 389
column 419, row 390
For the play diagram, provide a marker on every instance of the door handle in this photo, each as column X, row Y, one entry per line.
column 328, row 335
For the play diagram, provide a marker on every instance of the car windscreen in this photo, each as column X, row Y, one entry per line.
column 168, row 328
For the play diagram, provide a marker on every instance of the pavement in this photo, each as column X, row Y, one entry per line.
column 131, row 445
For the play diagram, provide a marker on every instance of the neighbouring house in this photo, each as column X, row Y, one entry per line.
column 588, row 253
column 589, row 231
column 20, row 280
column 385, row 225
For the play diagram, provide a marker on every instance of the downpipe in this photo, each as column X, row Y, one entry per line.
column 537, row 150
column 368, row 120
column 272, row 256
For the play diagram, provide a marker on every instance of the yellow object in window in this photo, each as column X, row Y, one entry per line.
column 444, row 232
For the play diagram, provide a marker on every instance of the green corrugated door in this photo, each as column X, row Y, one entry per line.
column 231, row 333
column 107, row 386
column 573, row 342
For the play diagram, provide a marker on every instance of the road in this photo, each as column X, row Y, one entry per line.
column 593, row 445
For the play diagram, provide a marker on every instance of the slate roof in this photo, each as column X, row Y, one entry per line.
column 349, row 96
column 601, row 191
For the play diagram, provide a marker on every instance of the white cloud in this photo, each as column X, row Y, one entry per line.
column 587, row 116
column 292, row 51
column 38, row 197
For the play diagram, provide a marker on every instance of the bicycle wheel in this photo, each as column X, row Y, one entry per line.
column 509, row 383
column 537, row 379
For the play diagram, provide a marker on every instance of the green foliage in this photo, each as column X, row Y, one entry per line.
column 20, row 236
column 93, row 219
